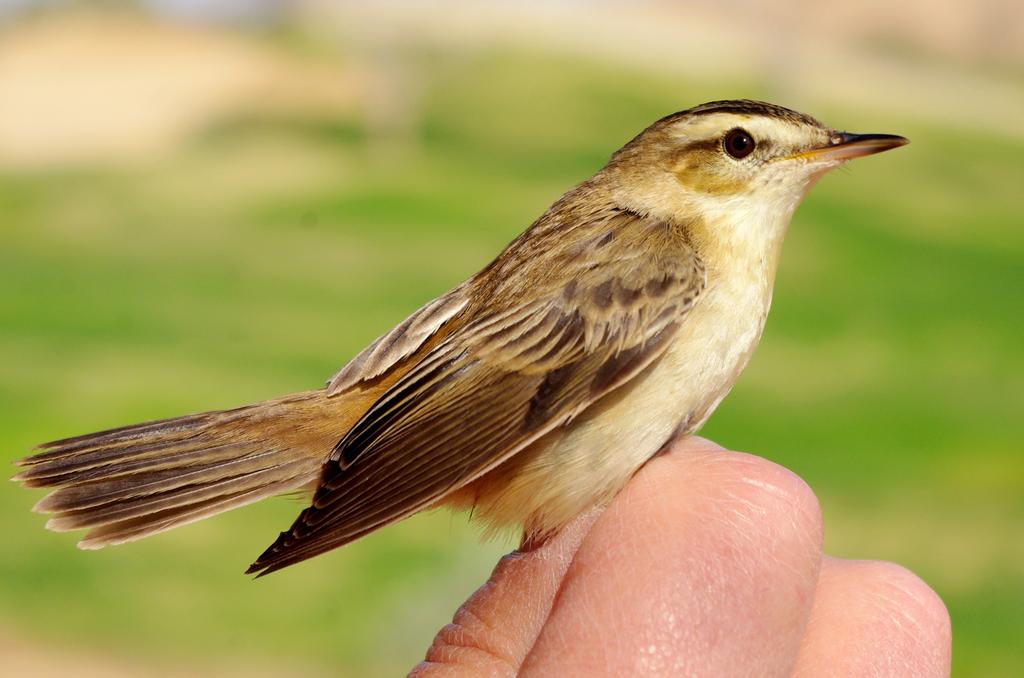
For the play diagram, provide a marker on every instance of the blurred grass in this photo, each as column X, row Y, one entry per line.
column 261, row 257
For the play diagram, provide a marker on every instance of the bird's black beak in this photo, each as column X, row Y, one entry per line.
column 845, row 146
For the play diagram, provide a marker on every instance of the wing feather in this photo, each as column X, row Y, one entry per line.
column 493, row 386
column 401, row 342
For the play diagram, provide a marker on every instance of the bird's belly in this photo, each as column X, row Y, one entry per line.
column 586, row 462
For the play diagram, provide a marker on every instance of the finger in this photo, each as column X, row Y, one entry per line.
column 874, row 619
column 494, row 630
column 705, row 564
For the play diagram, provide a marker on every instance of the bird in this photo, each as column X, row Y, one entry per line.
column 527, row 394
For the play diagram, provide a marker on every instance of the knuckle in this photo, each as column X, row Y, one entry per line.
column 464, row 647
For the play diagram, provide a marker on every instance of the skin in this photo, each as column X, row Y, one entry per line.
column 725, row 579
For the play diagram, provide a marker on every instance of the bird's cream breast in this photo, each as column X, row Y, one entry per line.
column 588, row 461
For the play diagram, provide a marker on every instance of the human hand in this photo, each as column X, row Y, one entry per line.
column 709, row 563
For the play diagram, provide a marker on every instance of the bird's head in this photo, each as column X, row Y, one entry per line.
column 741, row 167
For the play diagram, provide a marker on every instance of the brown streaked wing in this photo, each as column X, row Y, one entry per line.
column 402, row 341
column 488, row 390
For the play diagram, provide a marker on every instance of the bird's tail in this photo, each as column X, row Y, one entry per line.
column 131, row 482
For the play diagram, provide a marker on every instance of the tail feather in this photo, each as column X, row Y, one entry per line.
column 149, row 483
column 137, row 528
column 119, row 510
column 66, row 448
column 127, row 483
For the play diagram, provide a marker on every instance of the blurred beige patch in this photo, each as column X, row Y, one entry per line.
column 923, row 59
column 78, row 88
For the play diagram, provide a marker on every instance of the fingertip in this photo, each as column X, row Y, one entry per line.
column 905, row 593
column 706, row 556
column 693, row 445
column 876, row 618
column 762, row 498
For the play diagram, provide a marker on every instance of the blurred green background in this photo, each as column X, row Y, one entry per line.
column 202, row 209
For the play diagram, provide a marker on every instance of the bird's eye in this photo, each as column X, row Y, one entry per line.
column 738, row 143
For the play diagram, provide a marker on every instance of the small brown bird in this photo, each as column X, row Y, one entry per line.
column 532, row 391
